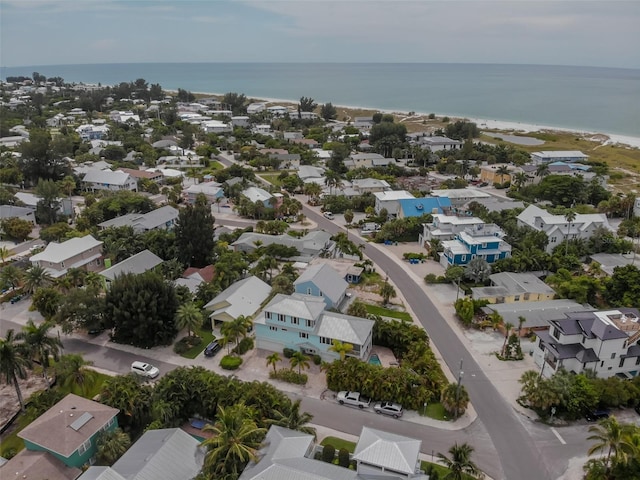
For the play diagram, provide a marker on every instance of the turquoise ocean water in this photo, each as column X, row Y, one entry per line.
column 605, row 100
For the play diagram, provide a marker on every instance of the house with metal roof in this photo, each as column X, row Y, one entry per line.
column 322, row 281
column 558, row 156
column 537, row 315
column 68, row 431
column 164, row 454
column 380, row 454
column 507, row 287
column 136, row 264
column 390, row 200
column 460, row 196
column 242, row 298
column 79, row 252
column 558, row 229
column 300, row 322
column 605, row 342
column 211, row 190
column 12, row 211
column 108, row 180
column 310, row 246
column 256, row 194
column 163, row 218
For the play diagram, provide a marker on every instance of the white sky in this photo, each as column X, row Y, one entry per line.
column 554, row 32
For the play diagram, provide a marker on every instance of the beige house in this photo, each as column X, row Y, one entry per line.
column 509, row 287
column 83, row 252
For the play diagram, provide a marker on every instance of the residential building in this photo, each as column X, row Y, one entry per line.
column 558, row 229
column 323, row 281
column 507, row 287
column 242, row 298
column 211, row 190
column 79, row 252
column 309, row 142
column 136, row 264
column 537, row 315
column 192, row 277
column 491, row 173
column 152, row 175
column 416, row 207
column 300, row 322
column 460, row 196
column 362, row 160
column 558, row 156
column 124, row 116
column 164, row 454
column 11, row 211
column 610, row 261
column 163, row 218
column 288, row 161
column 108, row 180
column 29, row 464
column 390, row 201
column 68, row 430
column 478, row 241
column 257, row 107
column 308, row 173
column 240, row 121
column 445, row 226
column 92, row 132
column 256, row 194
column 364, row 185
column 278, row 110
column 216, row 126
column 288, row 454
column 435, row 144
column 310, row 246
column 605, row 342
column 497, row 204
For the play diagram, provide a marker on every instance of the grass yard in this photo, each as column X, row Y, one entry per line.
column 339, row 443
column 435, row 411
column 207, row 337
column 385, row 312
column 272, row 178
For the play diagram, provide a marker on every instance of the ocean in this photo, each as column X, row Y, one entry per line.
column 603, row 100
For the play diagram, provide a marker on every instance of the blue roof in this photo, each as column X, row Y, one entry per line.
column 415, row 207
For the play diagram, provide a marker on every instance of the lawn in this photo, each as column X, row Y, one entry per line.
column 207, row 337
column 385, row 312
column 272, row 178
column 435, row 411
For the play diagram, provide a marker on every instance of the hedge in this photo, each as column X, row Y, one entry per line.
column 244, row 346
column 289, row 376
column 230, row 362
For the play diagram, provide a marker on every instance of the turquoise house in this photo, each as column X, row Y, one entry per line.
column 301, row 323
column 69, row 430
column 478, row 241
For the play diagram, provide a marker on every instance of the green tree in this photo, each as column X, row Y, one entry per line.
column 4, row 254
column 37, row 277
column 478, row 270
column 40, row 345
column 194, row 234
column 340, row 348
column 348, row 216
column 623, row 288
column 387, row 292
column 307, row 104
column 47, row 207
column 609, row 436
column 141, row 310
column 328, row 112
column 11, row 276
column 188, row 316
column 570, row 216
column 300, row 360
column 17, row 228
column 46, row 301
column 454, row 399
column 111, row 445
column 74, row 375
column 357, row 309
column 14, row 361
column 235, row 441
column 459, row 463
column 133, row 399
column 273, row 360
column 507, row 330
column 81, row 308
column 293, row 419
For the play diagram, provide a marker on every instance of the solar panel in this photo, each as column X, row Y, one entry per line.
column 81, row 421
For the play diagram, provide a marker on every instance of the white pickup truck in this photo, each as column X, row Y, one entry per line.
column 353, row 399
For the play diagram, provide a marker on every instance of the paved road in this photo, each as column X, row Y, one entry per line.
column 518, row 454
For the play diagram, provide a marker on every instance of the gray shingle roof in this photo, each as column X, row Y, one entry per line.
column 330, row 283
column 136, row 264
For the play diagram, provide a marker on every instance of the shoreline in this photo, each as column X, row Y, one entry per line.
column 483, row 124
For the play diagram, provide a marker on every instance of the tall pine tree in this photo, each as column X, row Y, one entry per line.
column 194, row 234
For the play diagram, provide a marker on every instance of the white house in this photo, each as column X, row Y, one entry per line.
column 460, row 196
column 108, row 180
column 605, row 342
column 558, row 156
column 558, row 229
column 445, row 226
column 257, row 107
column 390, row 200
column 215, row 126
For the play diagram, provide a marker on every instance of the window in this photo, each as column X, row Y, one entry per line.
column 601, row 364
column 309, row 291
column 516, row 298
column 553, row 240
column 295, row 320
column 621, row 362
column 526, row 296
column 555, row 333
column 62, row 264
column 311, row 323
column 463, row 258
column 613, row 355
column 280, row 317
column 638, row 361
column 84, row 447
column 267, row 315
column 303, row 335
column 582, row 340
column 273, row 329
column 325, row 340
column 484, row 245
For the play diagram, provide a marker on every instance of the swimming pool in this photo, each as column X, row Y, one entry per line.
column 374, row 359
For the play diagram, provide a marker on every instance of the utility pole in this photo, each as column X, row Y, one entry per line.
column 458, row 387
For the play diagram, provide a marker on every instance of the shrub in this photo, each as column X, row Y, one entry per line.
column 431, row 278
column 185, row 343
column 244, row 346
column 317, row 360
column 289, row 376
column 328, row 453
column 288, row 352
column 229, row 362
column 343, row 458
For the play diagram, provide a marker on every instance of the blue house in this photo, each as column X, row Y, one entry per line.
column 322, row 281
column 416, row 207
column 478, row 241
column 69, row 430
column 300, row 322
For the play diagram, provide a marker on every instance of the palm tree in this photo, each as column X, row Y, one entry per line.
column 37, row 277
column 40, row 345
column 507, row 329
column 609, row 436
column 4, row 254
column 300, row 360
column 331, row 180
column 294, row 420
column 73, row 374
column 111, row 445
column 520, row 179
column 235, row 441
column 11, row 275
column 460, row 464
column 454, row 399
column 273, row 359
column 312, row 190
column 570, row 216
column 387, row 292
column 188, row 316
column 502, row 171
column 94, row 281
column 340, row 348
column 14, row 361
column 542, row 170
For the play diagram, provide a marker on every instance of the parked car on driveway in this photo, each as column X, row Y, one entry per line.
column 595, row 415
column 145, row 369
column 353, row 398
column 211, row 349
column 389, row 408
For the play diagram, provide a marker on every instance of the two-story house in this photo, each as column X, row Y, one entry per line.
column 242, row 298
column 483, row 241
column 322, row 281
column 300, row 322
column 558, row 229
column 211, row 190
column 108, row 180
column 68, row 430
column 445, row 226
column 80, row 252
column 605, row 342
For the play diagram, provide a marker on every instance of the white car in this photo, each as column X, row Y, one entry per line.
column 388, row 408
column 328, row 215
column 145, row 369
